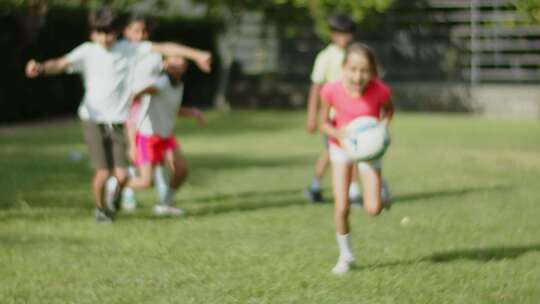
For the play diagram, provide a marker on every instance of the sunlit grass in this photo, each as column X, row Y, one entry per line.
column 468, row 187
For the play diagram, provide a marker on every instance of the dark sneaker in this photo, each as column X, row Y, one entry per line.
column 386, row 196
column 104, row 216
column 314, row 195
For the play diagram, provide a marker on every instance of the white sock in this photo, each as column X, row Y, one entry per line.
column 128, row 195
column 110, row 191
column 168, row 198
column 344, row 243
column 161, row 183
column 111, row 183
column 354, row 191
column 132, row 171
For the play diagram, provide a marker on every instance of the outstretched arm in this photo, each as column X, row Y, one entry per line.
column 150, row 90
column 49, row 67
column 203, row 59
column 193, row 112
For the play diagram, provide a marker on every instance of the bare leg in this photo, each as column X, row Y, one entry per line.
column 98, row 185
column 322, row 164
column 371, row 187
column 341, row 177
column 177, row 163
column 144, row 180
column 178, row 166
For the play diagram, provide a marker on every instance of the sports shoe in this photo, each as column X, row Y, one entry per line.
column 163, row 210
column 103, row 216
column 343, row 265
column 129, row 205
column 386, row 196
column 313, row 195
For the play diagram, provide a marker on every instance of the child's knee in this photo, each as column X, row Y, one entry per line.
column 122, row 178
column 102, row 175
column 373, row 208
column 147, row 182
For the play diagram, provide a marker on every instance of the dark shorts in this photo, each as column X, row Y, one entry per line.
column 107, row 145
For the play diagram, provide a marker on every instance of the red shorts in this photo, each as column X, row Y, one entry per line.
column 152, row 148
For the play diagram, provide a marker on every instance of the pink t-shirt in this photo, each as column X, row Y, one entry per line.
column 347, row 108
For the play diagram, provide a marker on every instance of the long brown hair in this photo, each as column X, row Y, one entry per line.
column 363, row 49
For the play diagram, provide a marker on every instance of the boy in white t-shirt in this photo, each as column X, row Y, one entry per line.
column 106, row 67
column 327, row 68
column 155, row 143
column 136, row 30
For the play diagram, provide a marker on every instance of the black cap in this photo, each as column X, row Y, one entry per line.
column 341, row 23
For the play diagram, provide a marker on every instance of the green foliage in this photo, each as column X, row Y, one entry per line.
column 468, row 186
column 318, row 10
column 287, row 11
column 530, row 7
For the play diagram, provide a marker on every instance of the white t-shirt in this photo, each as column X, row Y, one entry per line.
column 146, row 71
column 158, row 114
column 328, row 65
column 107, row 76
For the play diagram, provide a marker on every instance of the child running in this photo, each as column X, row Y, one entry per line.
column 136, row 30
column 327, row 68
column 155, row 143
column 106, row 66
column 360, row 92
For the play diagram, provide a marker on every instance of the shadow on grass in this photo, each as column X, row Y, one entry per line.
column 474, row 254
column 410, row 197
column 241, row 195
column 33, row 240
column 85, row 211
column 235, row 202
column 483, row 254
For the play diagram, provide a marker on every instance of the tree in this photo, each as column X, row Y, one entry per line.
column 285, row 13
column 319, row 10
column 531, row 8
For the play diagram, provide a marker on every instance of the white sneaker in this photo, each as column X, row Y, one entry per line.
column 343, row 265
column 129, row 205
column 162, row 210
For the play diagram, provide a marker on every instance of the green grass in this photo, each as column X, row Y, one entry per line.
column 470, row 187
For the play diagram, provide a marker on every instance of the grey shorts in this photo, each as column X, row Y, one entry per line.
column 107, row 145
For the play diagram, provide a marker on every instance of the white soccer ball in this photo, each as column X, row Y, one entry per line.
column 365, row 139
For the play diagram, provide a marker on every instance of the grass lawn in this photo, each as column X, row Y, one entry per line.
column 469, row 187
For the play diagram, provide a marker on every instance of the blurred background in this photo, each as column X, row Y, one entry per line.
column 475, row 56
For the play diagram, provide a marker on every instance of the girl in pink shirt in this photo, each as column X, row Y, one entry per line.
column 359, row 93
